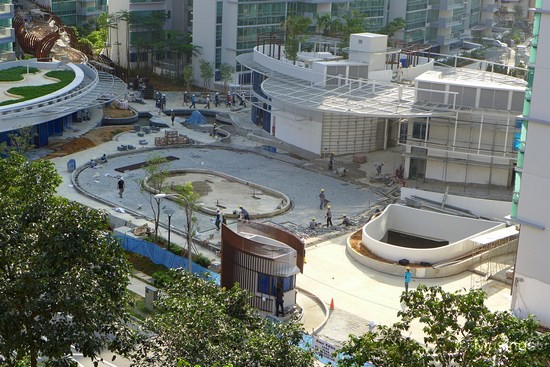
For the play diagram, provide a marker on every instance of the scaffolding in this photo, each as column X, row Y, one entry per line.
column 487, row 262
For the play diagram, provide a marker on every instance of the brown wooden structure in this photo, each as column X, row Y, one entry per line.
column 259, row 250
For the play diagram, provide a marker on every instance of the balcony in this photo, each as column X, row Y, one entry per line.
column 447, row 4
column 6, row 11
column 449, row 22
column 7, row 35
column 448, row 39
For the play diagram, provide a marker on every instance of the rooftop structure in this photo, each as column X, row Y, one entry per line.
column 51, row 114
column 229, row 29
column 44, row 36
column 455, row 124
column 262, row 257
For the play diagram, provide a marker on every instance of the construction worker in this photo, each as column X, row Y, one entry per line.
column 346, row 221
column 313, row 224
column 244, row 213
column 322, row 199
column 328, row 215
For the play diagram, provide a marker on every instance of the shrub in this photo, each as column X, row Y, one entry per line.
column 202, row 260
column 162, row 278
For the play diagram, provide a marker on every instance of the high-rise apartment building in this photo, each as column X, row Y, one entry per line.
column 439, row 23
column 76, row 12
column 531, row 287
column 125, row 36
column 7, row 33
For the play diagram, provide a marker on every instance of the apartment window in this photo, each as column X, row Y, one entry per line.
column 219, row 12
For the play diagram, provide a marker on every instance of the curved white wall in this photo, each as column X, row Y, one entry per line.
column 286, row 68
column 458, row 231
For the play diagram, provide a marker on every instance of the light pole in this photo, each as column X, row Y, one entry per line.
column 189, row 219
column 169, row 212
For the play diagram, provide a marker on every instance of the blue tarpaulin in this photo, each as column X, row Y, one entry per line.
column 161, row 256
column 196, row 118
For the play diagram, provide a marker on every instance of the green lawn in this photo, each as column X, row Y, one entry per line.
column 16, row 74
column 65, row 77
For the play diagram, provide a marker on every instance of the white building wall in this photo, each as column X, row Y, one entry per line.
column 531, row 292
column 118, row 34
column 297, row 130
column 229, row 31
column 204, row 35
column 397, row 9
column 458, row 231
column 481, row 207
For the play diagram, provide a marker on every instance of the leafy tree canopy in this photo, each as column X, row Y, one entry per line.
column 392, row 27
column 295, row 28
column 226, row 74
column 62, row 277
column 207, row 72
column 197, row 322
column 459, row 330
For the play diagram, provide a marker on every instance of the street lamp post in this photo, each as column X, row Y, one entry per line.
column 189, row 219
column 169, row 212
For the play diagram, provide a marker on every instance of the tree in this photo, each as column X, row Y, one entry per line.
column 458, row 330
column 188, row 200
column 226, row 75
column 156, row 172
column 63, row 278
column 98, row 37
column 198, row 322
column 392, row 27
column 328, row 26
column 295, row 28
column 323, row 22
column 178, row 45
column 207, row 73
column 19, row 141
column 187, row 76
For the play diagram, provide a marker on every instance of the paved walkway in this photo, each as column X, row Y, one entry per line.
column 361, row 296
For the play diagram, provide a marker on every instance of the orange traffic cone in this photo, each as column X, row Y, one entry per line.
column 331, row 304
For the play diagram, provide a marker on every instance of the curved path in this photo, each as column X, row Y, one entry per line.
column 300, row 185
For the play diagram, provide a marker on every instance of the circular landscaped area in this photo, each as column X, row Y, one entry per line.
column 227, row 193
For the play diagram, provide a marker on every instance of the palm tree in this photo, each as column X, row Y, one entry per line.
column 323, row 24
column 180, row 49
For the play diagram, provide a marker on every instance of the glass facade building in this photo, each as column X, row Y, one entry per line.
column 78, row 12
column 7, row 33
